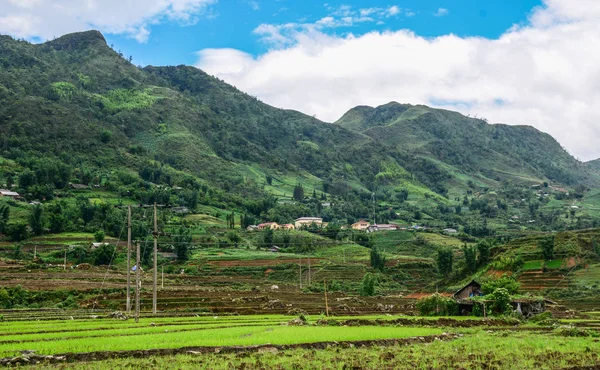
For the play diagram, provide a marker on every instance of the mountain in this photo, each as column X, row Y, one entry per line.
column 59, row 98
column 469, row 149
column 75, row 110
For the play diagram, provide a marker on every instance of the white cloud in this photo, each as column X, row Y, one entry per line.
column 44, row 19
column 393, row 10
column 546, row 74
column 441, row 12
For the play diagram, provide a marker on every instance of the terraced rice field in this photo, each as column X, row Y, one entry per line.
column 278, row 341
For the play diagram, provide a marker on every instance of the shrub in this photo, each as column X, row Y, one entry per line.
column 377, row 259
column 437, row 305
column 368, row 285
column 99, row 236
column 499, row 302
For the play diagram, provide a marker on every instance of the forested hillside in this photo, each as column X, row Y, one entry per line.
column 460, row 145
column 75, row 111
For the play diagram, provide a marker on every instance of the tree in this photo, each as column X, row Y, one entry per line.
column 36, row 221
column 99, row 236
column 470, row 253
column 17, row 232
column 231, row 220
column 181, row 243
column 368, row 286
column 103, row 255
column 268, row 238
column 269, row 179
column 4, row 215
column 105, row 136
column 298, row 192
column 444, row 261
column 377, row 259
column 547, row 247
column 483, row 248
column 437, row 305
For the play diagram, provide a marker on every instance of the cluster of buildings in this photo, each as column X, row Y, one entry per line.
column 304, row 222
column 299, row 223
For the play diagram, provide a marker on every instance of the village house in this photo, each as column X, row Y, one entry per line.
column 361, row 225
column 78, row 186
column 526, row 306
column 450, row 231
column 307, row 221
column 9, row 194
column 252, row 228
column 382, row 227
column 268, row 225
column 287, row 227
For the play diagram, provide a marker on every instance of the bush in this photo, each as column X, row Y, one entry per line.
column 499, row 302
column 99, row 236
column 437, row 305
column 368, row 285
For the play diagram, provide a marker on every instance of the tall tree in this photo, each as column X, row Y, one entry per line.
column 444, row 261
column 298, row 192
column 547, row 247
column 36, row 221
column 181, row 243
column 470, row 253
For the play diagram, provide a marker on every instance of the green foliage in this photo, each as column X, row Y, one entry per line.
column 499, row 302
column 511, row 285
column 64, row 90
column 4, row 217
column 127, row 99
column 17, row 231
column 444, row 261
column 99, row 236
column 546, row 246
column 298, row 192
column 105, row 136
column 268, row 238
column 377, row 259
column 182, row 243
column 36, row 221
column 483, row 248
column 103, row 255
column 368, row 285
column 437, row 305
column 470, row 253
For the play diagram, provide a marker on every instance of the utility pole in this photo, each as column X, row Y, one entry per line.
column 34, row 251
column 154, row 289
column 128, row 305
column 162, row 279
column 65, row 265
column 326, row 305
column 308, row 270
column 300, row 264
column 138, row 283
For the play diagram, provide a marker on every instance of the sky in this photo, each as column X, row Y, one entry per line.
column 521, row 62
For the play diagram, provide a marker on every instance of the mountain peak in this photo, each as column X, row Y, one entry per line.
column 78, row 40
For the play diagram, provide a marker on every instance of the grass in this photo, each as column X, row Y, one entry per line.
column 477, row 350
column 158, row 337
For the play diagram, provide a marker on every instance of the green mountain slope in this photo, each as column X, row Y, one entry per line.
column 468, row 148
column 75, row 110
column 76, row 97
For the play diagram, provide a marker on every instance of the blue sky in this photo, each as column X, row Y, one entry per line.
column 230, row 24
